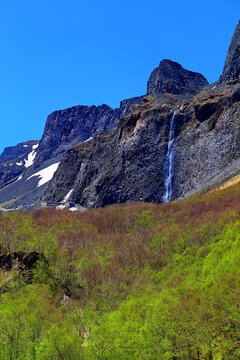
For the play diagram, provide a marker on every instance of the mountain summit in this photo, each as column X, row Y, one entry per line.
column 231, row 70
column 171, row 77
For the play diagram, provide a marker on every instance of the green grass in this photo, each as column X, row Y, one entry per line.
column 143, row 281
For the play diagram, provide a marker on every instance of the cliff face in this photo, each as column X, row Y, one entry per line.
column 231, row 69
column 117, row 166
column 129, row 162
column 207, row 150
column 66, row 128
column 126, row 105
column 171, row 77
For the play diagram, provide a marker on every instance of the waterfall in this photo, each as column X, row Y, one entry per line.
column 169, row 164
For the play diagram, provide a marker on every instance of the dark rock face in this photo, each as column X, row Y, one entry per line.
column 171, row 77
column 207, row 152
column 123, row 164
column 127, row 163
column 66, row 128
column 13, row 161
column 231, row 69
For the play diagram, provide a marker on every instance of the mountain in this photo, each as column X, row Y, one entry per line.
column 96, row 155
column 129, row 162
column 65, row 129
column 126, row 163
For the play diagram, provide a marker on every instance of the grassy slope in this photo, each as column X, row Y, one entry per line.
column 143, row 281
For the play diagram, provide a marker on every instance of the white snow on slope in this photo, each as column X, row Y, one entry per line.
column 73, row 209
column 19, row 163
column 88, row 139
column 19, row 178
column 31, row 157
column 68, row 195
column 45, row 174
column 60, row 207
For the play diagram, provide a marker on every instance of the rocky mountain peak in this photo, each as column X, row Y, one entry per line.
column 171, row 77
column 231, row 70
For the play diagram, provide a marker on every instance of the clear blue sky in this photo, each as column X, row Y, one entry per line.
column 60, row 53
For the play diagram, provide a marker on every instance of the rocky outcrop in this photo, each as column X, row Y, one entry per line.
column 171, row 77
column 231, row 69
column 126, row 105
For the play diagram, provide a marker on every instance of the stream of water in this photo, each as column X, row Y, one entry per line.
column 169, row 164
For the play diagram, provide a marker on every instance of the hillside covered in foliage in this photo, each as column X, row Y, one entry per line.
column 131, row 281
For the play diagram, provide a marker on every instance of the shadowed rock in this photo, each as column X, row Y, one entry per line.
column 231, row 70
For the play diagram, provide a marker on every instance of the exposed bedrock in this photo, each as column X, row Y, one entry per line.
column 231, row 69
column 171, row 77
column 127, row 163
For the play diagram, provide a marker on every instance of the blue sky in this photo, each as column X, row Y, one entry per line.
column 56, row 54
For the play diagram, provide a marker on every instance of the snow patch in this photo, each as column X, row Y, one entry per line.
column 19, row 178
column 88, row 139
column 68, row 195
column 31, row 156
column 73, row 209
column 25, row 145
column 45, row 174
column 60, row 207
column 19, row 163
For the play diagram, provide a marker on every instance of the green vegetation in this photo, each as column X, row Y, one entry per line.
column 132, row 281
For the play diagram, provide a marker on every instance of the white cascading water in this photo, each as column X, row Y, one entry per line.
column 169, row 165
